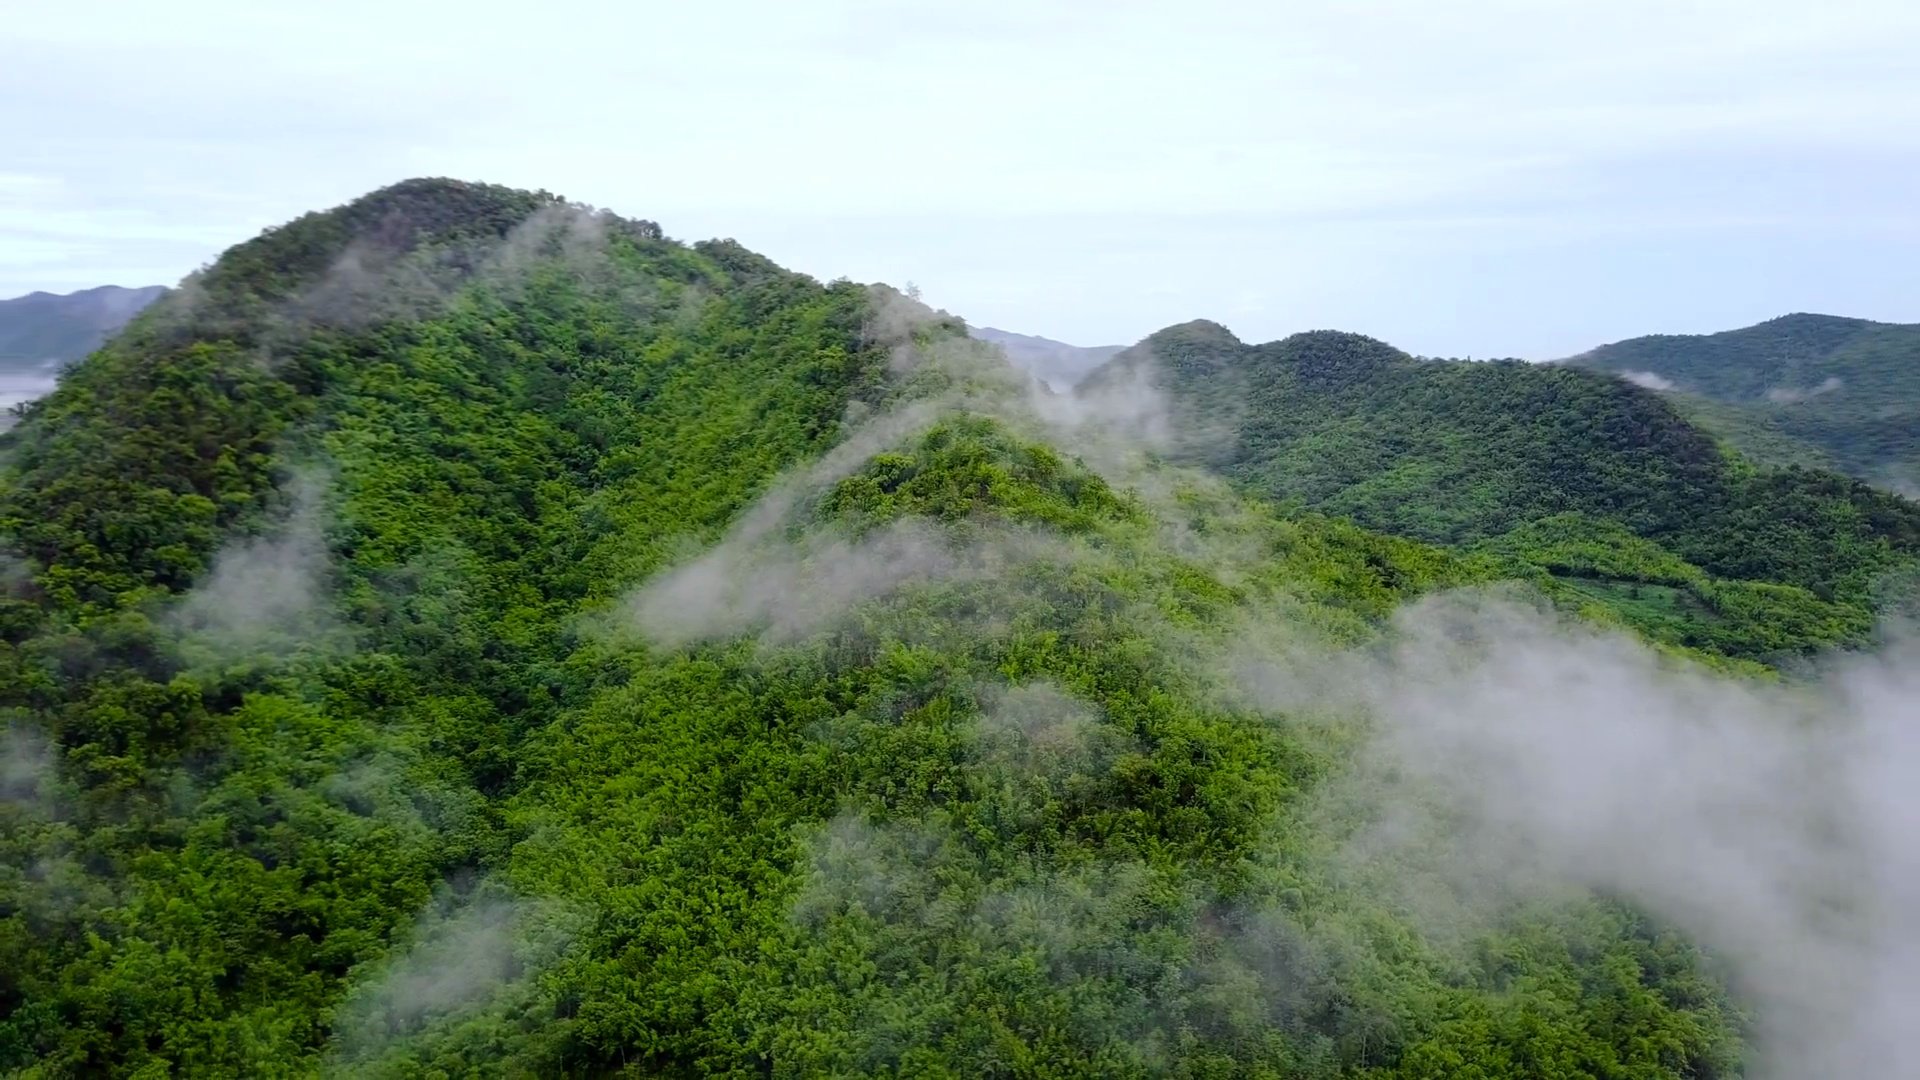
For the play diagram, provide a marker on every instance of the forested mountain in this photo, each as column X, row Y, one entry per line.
column 1566, row 469
column 42, row 328
column 1057, row 363
column 467, row 633
column 1800, row 389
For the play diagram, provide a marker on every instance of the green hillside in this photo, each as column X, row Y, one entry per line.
column 463, row 633
column 1795, row 389
column 1524, row 460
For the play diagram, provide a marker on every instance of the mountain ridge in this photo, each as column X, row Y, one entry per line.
column 1803, row 386
column 1461, row 453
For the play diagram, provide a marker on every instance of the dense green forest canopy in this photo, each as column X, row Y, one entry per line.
column 1800, row 389
column 469, row 633
column 1534, row 462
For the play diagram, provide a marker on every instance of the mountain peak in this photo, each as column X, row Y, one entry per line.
column 1331, row 356
column 391, row 221
column 1811, row 319
column 1195, row 331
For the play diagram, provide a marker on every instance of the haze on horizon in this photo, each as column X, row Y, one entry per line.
column 1493, row 177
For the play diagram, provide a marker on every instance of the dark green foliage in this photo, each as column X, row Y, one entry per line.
column 238, row 292
column 1461, row 453
column 1800, row 389
column 129, row 474
column 1670, row 600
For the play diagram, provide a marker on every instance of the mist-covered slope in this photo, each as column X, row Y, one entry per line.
column 1797, row 389
column 1562, row 468
column 466, row 633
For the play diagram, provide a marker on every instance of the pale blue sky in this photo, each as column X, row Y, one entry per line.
column 1484, row 177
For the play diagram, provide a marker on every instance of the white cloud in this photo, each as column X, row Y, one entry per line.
column 1516, row 756
column 1300, row 154
column 1793, row 395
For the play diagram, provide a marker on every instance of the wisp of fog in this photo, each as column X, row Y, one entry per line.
column 1772, row 822
column 1511, row 754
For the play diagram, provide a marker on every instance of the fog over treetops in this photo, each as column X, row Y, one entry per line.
column 469, row 632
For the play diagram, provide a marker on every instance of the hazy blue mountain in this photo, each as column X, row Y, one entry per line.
column 41, row 326
column 1058, row 363
column 42, row 332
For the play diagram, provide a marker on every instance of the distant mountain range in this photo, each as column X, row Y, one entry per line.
column 42, row 332
column 42, row 327
column 1059, row 364
column 1802, row 389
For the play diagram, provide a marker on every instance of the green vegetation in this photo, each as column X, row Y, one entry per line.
column 338, row 741
column 227, row 836
column 1800, row 389
column 1585, row 476
column 1667, row 599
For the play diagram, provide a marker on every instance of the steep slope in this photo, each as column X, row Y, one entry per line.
column 1466, row 453
column 1056, row 363
column 1797, row 388
column 40, row 328
column 467, row 633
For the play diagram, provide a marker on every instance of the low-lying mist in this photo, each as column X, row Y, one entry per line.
column 1506, row 754
column 267, row 593
column 1513, row 753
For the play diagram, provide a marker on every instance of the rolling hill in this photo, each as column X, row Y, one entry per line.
column 1797, row 389
column 1535, row 461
